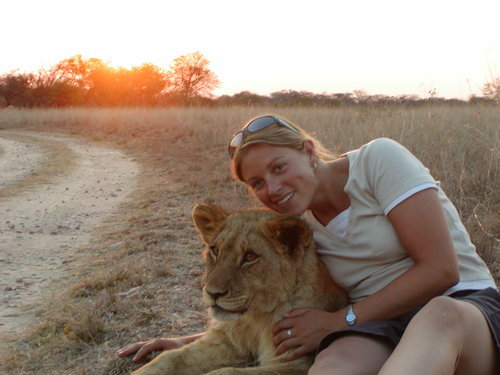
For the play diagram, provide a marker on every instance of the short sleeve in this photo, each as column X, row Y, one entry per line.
column 392, row 170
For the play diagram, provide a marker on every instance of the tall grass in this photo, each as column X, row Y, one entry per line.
column 152, row 246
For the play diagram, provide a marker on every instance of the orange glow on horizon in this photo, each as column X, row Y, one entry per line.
column 389, row 47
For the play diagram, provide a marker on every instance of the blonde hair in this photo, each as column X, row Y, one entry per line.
column 279, row 136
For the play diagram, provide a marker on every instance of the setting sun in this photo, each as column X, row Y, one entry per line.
column 386, row 47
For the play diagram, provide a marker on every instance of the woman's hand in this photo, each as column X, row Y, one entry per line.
column 306, row 327
column 143, row 348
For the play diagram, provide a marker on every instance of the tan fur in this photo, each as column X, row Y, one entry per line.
column 259, row 265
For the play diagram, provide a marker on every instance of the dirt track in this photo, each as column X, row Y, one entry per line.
column 44, row 225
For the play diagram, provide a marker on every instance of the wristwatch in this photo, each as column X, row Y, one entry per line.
column 350, row 316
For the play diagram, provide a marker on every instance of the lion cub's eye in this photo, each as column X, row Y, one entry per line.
column 250, row 257
column 214, row 252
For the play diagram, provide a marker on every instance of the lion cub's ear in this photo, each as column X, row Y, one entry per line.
column 292, row 232
column 207, row 219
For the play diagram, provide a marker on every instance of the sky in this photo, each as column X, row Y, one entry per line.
column 389, row 47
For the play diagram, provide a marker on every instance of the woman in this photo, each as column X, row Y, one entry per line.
column 391, row 238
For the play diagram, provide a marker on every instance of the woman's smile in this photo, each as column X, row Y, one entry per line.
column 280, row 177
column 286, row 198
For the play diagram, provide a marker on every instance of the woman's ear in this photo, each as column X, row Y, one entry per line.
column 309, row 149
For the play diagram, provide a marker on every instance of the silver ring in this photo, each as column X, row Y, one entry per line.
column 289, row 332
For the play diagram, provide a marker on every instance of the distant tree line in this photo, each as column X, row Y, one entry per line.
column 306, row 98
column 491, row 92
column 188, row 81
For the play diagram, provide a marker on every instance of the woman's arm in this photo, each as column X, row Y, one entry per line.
column 422, row 229
column 143, row 348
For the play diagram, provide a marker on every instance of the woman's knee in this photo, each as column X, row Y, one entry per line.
column 334, row 358
column 352, row 355
column 442, row 312
column 456, row 327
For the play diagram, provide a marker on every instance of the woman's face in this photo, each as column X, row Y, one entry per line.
column 282, row 178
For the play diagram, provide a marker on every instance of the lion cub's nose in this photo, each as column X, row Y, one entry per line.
column 215, row 294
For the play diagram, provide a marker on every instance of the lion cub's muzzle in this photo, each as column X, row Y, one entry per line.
column 223, row 304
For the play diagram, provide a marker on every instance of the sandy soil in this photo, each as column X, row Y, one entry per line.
column 41, row 231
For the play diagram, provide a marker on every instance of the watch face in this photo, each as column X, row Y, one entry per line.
column 350, row 318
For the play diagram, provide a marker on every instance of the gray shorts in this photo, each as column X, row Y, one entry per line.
column 486, row 300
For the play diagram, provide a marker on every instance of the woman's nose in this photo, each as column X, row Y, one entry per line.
column 274, row 186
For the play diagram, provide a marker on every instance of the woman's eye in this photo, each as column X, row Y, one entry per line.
column 257, row 184
column 279, row 167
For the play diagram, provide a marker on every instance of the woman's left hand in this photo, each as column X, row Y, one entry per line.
column 301, row 330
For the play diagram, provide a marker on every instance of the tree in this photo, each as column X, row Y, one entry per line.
column 104, row 86
column 145, row 83
column 16, row 88
column 360, row 95
column 189, row 77
column 89, row 81
column 243, row 98
column 73, row 70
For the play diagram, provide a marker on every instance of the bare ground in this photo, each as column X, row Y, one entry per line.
column 54, row 192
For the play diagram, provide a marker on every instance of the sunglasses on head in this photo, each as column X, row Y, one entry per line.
column 254, row 126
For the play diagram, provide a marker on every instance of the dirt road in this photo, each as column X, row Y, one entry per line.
column 54, row 192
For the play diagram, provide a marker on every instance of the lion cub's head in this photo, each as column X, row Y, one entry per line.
column 252, row 258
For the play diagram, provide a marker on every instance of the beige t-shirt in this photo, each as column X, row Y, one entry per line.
column 366, row 254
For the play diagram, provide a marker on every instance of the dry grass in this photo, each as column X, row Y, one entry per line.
column 141, row 276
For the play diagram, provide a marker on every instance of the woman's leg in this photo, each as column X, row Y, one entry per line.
column 353, row 354
column 446, row 337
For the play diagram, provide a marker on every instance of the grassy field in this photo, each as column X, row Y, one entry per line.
column 141, row 276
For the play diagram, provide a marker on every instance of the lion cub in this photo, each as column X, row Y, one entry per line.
column 259, row 265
